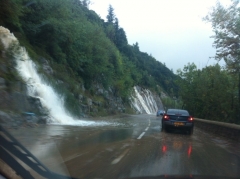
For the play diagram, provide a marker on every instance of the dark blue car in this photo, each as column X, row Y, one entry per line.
column 160, row 112
column 177, row 119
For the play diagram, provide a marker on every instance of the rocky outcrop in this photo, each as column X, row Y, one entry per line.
column 45, row 65
column 2, row 83
column 112, row 104
column 17, row 108
column 143, row 100
column 158, row 100
column 18, row 69
column 10, row 119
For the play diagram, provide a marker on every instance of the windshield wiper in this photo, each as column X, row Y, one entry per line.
column 11, row 150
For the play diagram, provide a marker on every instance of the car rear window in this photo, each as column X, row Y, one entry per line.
column 177, row 112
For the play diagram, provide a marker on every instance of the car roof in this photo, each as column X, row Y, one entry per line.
column 178, row 111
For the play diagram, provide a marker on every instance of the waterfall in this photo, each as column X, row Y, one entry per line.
column 143, row 101
column 36, row 85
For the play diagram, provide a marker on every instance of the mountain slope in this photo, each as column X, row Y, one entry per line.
column 84, row 58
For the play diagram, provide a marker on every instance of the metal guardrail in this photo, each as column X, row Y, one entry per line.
column 224, row 124
column 230, row 131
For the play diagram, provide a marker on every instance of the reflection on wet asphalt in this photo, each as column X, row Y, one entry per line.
column 117, row 150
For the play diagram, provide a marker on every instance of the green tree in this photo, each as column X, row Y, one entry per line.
column 111, row 15
column 208, row 93
column 10, row 12
column 86, row 3
column 226, row 25
column 120, row 36
column 187, row 86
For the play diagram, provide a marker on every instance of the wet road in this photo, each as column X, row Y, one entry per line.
column 130, row 147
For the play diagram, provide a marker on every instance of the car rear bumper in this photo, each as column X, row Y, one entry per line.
column 174, row 124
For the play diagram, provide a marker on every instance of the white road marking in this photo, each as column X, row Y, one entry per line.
column 141, row 135
column 115, row 161
column 149, row 122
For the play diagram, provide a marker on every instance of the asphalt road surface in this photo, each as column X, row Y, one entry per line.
column 130, row 147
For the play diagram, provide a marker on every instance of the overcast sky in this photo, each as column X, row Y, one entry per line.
column 172, row 31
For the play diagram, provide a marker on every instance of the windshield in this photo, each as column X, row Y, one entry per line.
column 119, row 89
column 177, row 112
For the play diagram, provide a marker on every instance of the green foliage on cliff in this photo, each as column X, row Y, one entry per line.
column 82, row 48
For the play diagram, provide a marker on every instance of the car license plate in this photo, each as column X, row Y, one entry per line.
column 178, row 123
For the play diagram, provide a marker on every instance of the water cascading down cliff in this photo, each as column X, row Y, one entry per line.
column 142, row 100
column 27, row 69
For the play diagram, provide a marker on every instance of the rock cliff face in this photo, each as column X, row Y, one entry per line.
column 25, row 97
column 110, row 103
column 144, row 101
column 158, row 101
column 16, row 107
column 114, row 104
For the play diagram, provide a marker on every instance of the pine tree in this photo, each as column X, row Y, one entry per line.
column 111, row 15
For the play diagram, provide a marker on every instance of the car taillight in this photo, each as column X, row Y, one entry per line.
column 165, row 117
column 190, row 118
column 164, row 148
column 189, row 150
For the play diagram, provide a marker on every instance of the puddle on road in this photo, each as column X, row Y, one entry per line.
column 106, row 136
